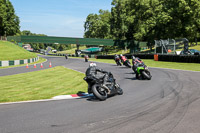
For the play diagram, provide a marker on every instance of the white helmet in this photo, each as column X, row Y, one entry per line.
column 92, row 64
column 133, row 57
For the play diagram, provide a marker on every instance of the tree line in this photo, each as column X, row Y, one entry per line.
column 146, row 20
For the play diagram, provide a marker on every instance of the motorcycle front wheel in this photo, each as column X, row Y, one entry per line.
column 128, row 64
column 146, row 75
column 134, row 69
column 99, row 92
column 119, row 89
column 119, row 64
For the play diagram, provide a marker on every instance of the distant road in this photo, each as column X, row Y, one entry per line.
column 55, row 61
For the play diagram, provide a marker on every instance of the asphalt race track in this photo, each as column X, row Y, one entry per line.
column 169, row 103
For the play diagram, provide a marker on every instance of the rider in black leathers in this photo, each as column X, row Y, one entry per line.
column 91, row 74
column 117, row 59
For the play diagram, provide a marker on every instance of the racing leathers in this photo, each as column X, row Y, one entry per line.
column 123, row 58
column 117, row 60
column 137, row 61
column 91, row 74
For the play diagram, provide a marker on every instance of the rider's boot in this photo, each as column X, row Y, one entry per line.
column 89, row 89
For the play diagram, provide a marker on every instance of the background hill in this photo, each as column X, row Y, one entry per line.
column 10, row 51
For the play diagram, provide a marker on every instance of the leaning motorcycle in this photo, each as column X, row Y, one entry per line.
column 86, row 58
column 127, row 63
column 101, row 91
column 118, row 62
column 143, row 72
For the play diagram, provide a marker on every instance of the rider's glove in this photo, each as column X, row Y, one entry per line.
column 109, row 73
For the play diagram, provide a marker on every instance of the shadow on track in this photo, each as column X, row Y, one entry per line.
column 130, row 73
column 124, row 67
column 93, row 99
column 134, row 78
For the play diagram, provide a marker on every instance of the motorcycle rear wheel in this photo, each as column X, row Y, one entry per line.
column 99, row 92
column 128, row 65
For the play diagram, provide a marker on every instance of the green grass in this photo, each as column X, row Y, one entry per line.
column 10, row 51
column 39, row 61
column 71, row 51
column 195, row 47
column 43, row 84
column 160, row 64
column 120, row 52
column 172, row 65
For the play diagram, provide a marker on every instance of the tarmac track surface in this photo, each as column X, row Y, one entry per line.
column 169, row 103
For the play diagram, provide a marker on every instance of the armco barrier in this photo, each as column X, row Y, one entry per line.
column 180, row 58
column 18, row 62
column 142, row 56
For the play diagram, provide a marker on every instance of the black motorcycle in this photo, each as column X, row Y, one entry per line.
column 101, row 91
column 118, row 62
column 86, row 58
column 66, row 56
column 127, row 63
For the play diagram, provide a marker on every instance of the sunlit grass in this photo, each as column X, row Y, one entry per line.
column 42, row 84
column 10, row 51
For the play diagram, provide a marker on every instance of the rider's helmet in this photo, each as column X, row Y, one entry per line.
column 133, row 57
column 92, row 64
column 120, row 55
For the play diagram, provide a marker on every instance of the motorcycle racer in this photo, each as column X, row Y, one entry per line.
column 91, row 74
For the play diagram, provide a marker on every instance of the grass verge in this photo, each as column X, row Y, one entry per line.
column 41, row 84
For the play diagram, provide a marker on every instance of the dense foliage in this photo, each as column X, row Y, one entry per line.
column 98, row 26
column 146, row 20
column 9, row 21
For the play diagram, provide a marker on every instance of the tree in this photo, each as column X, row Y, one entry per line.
column 9, row 21
column 62, row 47
column 35, row 46
column 118, row 19
column 41, row 46
column 26, row 32
column 2, row 17
column 98, row 26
